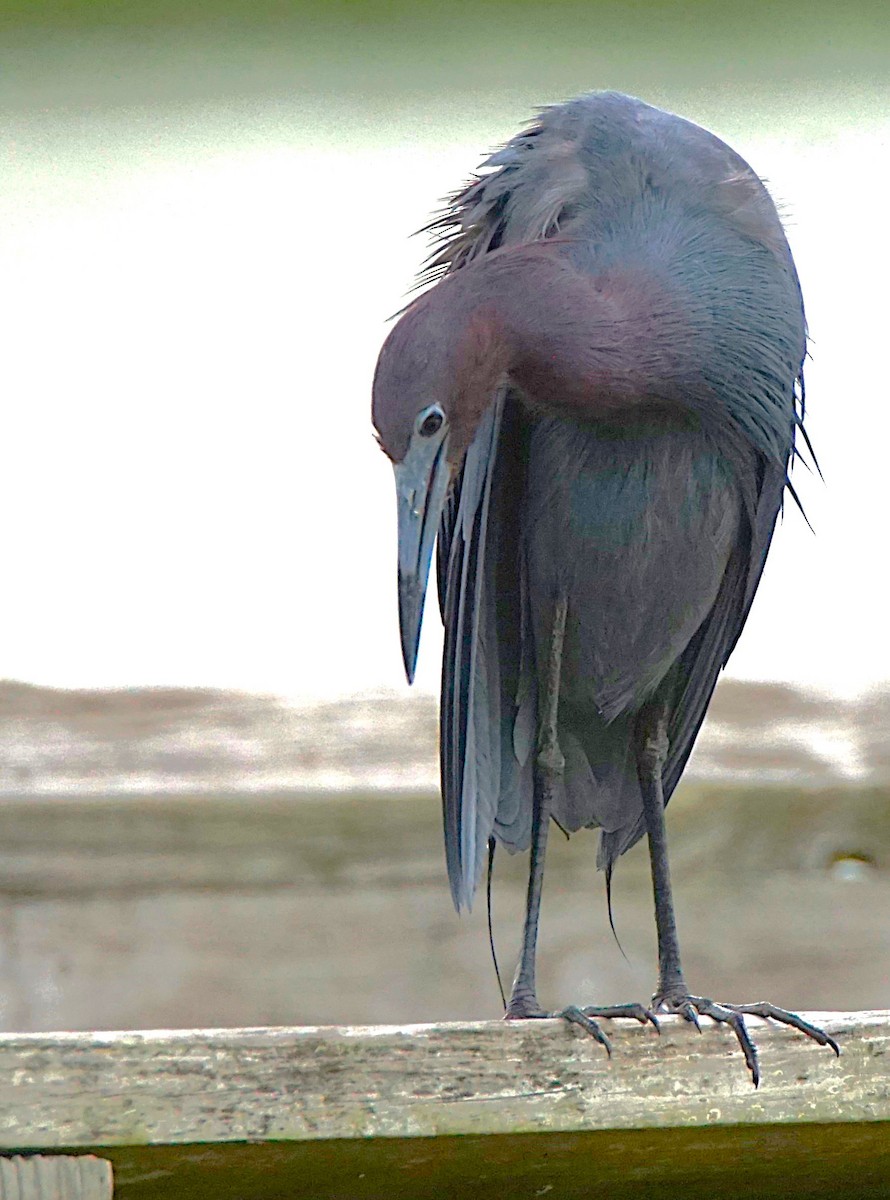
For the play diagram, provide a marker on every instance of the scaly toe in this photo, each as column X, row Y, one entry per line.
column 576, row 1016
column 770, row 1012
column 632, row 1012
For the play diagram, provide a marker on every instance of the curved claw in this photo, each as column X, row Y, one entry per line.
column 734, row 1016
column 681, row 1006
column 632, row 1012
column 526, row 1007
column 688, row 1013
column 575, row 1016
column 728, row 1015
column 771, row 1013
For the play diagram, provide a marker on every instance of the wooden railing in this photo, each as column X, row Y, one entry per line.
column 482, row 1109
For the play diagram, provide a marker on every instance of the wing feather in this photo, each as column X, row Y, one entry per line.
column 470, row 712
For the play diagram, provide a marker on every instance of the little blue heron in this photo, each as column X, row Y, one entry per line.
column 595, row 408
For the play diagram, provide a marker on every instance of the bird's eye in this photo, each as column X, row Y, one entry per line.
column 430, row 421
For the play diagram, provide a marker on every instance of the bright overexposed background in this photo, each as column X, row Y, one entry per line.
column 203, row 229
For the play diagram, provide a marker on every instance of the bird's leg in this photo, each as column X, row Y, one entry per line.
column 652, row 755
column 549, row 767
column 672, row 994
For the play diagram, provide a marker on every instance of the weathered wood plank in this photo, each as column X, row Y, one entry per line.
column 73, row 1090
column 62, row 1177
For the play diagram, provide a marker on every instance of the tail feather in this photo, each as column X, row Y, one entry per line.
column 601, row 786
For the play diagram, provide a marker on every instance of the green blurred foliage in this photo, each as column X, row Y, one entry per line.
column 852, row 36
column 112, row 51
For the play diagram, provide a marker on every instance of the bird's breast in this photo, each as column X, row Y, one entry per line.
column 635, row 527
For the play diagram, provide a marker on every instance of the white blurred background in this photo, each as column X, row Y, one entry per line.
column 202, row 234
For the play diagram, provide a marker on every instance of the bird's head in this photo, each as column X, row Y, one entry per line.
column 437, row 373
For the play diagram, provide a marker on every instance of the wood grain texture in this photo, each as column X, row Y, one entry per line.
column 63, row 1177
column 72, row 1090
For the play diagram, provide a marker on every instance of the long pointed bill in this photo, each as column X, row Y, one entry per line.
column 422, row 479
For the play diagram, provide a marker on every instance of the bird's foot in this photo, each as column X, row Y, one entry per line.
column 733, row 1015
column 526, row 1007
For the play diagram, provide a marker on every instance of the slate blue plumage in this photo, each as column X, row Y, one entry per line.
column 598, row 401
column 665, row 525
